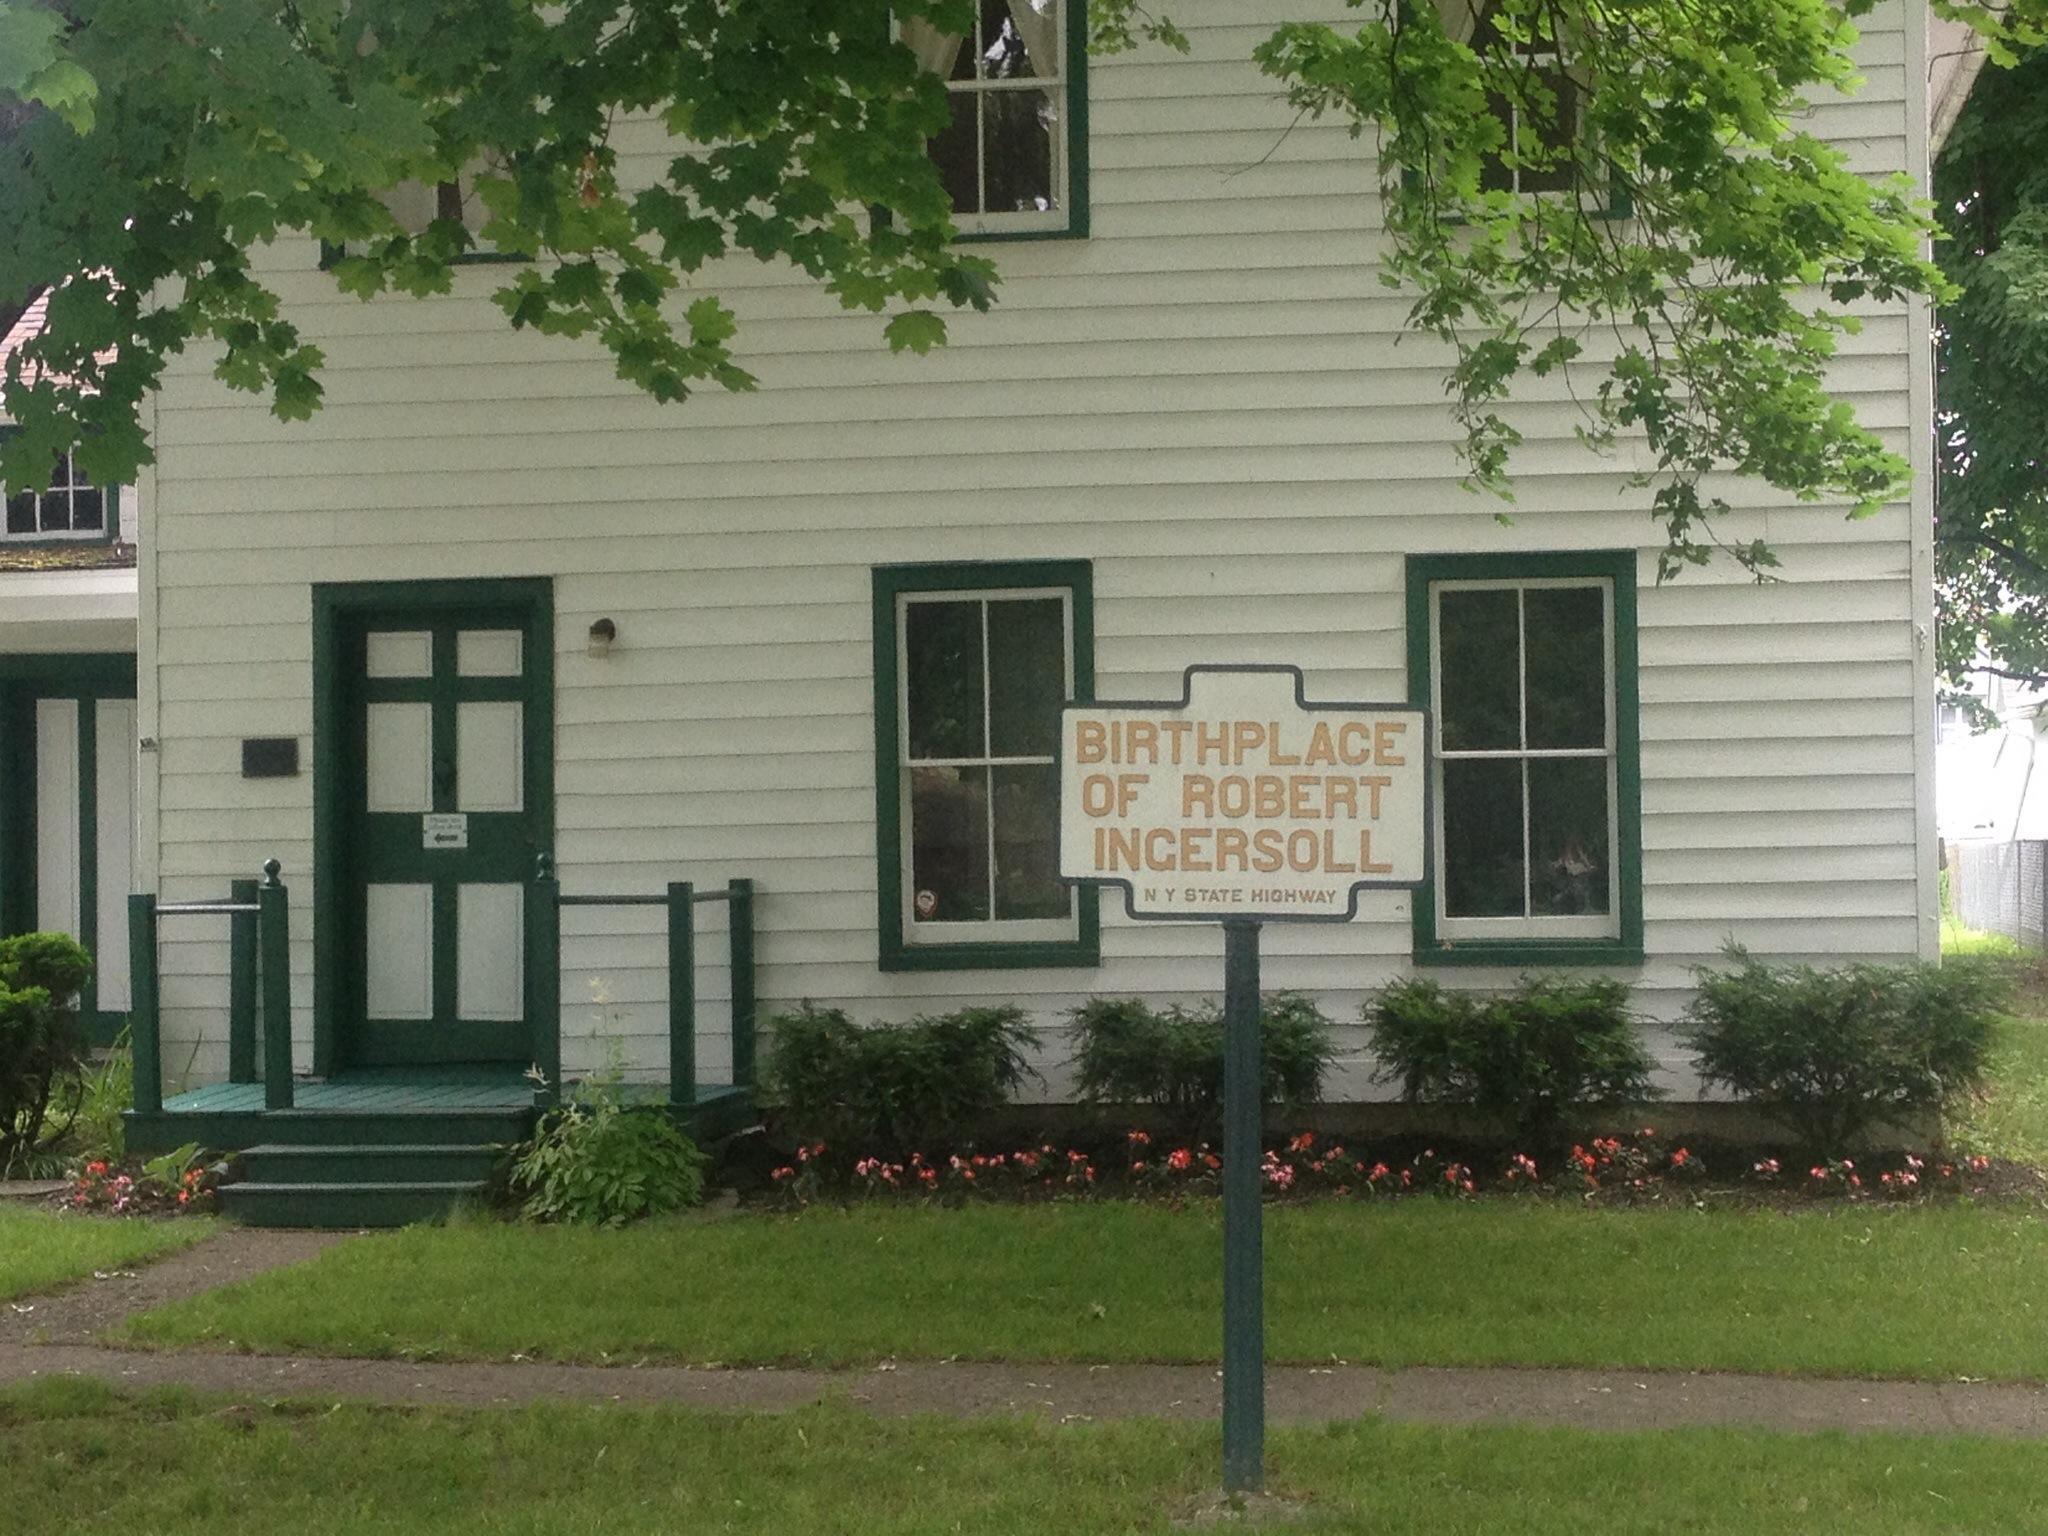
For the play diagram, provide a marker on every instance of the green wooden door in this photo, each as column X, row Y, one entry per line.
column 449, row 724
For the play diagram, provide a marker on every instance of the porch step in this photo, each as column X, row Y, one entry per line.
column 469, row 1127
column 369, row 1163
column 373, row 1204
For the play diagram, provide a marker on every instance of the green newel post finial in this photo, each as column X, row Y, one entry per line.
column 271, row 870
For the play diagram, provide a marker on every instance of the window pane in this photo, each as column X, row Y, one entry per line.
column 1495, row 174
column 1481, row 653
column 949, row 845
column 56, row 511
column 1482, row 814
column 954, row 152
column 1020, row 131
column 1568, row 836
column 1028, row 843
column 943, row 642
column 21, row 512
column 86, row 509
column 1027, row 676
column 1542, row 127
column 1566, row 632
column 1004, row 55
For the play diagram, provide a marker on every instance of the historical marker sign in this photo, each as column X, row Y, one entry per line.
column 1242, row 803
column 1243, row 800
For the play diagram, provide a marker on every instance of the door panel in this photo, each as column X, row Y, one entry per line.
column 489, row 756
column 57, row 846
column 443, row 827
column 399, row 933
column 490, row 971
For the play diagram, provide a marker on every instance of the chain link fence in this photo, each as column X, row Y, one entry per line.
column 2001, row 888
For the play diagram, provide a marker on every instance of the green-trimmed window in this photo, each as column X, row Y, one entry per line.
column 1015, row 156
column 972, row 664
column 73, row 509
column 1527, row 664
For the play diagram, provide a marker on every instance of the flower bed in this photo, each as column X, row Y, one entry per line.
column 1637, row 1166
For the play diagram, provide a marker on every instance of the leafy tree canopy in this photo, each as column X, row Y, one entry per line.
column 1991, row 537
column 177, row 135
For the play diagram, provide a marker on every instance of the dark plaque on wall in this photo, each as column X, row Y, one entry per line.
column 270, row 757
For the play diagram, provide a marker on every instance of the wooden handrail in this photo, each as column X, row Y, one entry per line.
column 259, row 942
column 544, row 1005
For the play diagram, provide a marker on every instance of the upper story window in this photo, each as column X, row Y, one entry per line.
column 1527, row 664
column 1543, row 126
column 1015, row 155
column 973, row 665
column 72, row 508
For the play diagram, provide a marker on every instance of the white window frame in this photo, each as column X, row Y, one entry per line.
column 1529, row 925
column 990, row 930
column 1004, row 221
column 109, row 530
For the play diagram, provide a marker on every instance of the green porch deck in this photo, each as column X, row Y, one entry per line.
column 394, row 1106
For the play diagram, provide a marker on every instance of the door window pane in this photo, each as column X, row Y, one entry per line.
column 1481, row 649
column 942, row 650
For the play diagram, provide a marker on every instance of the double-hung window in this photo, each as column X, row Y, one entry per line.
column 973, row 663
column 1014, row 156
column 1527, row 664
column 72, row 509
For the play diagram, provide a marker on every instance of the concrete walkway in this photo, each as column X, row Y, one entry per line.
column 54, row 1335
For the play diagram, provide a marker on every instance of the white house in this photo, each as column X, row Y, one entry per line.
column 67, row 716
column 816, row 636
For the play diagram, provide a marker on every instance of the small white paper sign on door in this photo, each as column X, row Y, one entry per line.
column 444, row 829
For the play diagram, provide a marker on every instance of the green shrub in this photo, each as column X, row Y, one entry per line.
column 597, row 1161
column 1536, row 1060
column 1172, row 1059
column 41, row 1044
column 895, row 1087
column 1829, row 1053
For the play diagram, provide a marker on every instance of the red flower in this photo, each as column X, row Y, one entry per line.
column 1139, row 1138
column 1179, row 1159
column 1302, row 1142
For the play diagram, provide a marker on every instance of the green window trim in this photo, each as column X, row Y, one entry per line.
column 1077, row 144
column 891, row 582
column 1618, row 567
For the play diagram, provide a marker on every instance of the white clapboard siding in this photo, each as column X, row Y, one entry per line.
column 1204, row 398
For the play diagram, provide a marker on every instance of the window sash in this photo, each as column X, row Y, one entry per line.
column 62, row 494
column 990, row 929
column 1529, row 924
column 1057, row 84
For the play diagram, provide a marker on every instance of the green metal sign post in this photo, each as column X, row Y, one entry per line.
column 1242, row 803
column 1244, row 1303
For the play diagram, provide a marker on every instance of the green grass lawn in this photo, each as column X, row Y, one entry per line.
column 43, row 1249
column 1930, row 1292
column 85, row 1459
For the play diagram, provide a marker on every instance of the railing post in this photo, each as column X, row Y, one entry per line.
column 145, row 1040
column 242, row 984
column 273, row 942
column 544, row 979
column 682, row 994
column 740, row 936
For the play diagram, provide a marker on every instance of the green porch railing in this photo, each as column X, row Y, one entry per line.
column 681, row 900
column 259, row 978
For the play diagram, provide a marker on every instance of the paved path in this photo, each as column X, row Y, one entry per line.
column 52, row 1336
